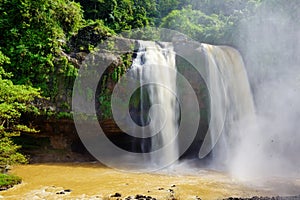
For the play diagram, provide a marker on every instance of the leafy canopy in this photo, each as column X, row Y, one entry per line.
column 120, row 15
column 195, row 24
column 15, row 100
column 33, row 34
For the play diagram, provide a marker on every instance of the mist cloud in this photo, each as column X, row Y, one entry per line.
column 269, row 145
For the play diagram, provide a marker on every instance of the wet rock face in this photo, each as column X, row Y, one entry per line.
column 57, row 141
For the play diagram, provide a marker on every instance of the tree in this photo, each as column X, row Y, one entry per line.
column 196, row 24
column 166, row 6
column 15, row 100
column 120, row 15
column 33, row 35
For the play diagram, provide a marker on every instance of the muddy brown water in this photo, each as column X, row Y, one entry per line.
column 94, row 181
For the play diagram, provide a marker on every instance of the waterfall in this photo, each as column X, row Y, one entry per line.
column 231, row 100
column 164, row 113
column 152, row 65
column 246, row 142
column 226, row 72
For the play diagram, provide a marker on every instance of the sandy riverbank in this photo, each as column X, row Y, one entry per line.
column 94, row 181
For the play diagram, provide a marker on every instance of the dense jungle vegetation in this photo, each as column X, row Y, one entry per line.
column 37, row 37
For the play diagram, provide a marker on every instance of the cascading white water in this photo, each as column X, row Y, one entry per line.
column 152, row 64
column 226, row 72
column 253, row 146
column 231, row 100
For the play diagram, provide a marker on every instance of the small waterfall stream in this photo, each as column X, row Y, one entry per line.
column 152, row 64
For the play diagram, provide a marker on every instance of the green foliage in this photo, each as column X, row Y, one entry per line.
column 195, row 24
column 145, row 13
column 120, row 15
column 15, row 100
column 9, row 154
column 104, row 95
column 33, row 34
column 166, row 6
column 89, row 36
column 119, row 71
column 105, row 104
column 9, row 180
column 3, row 60
column 210, row 21
column 64, row 115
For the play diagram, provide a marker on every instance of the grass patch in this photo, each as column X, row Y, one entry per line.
column 8, row 181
